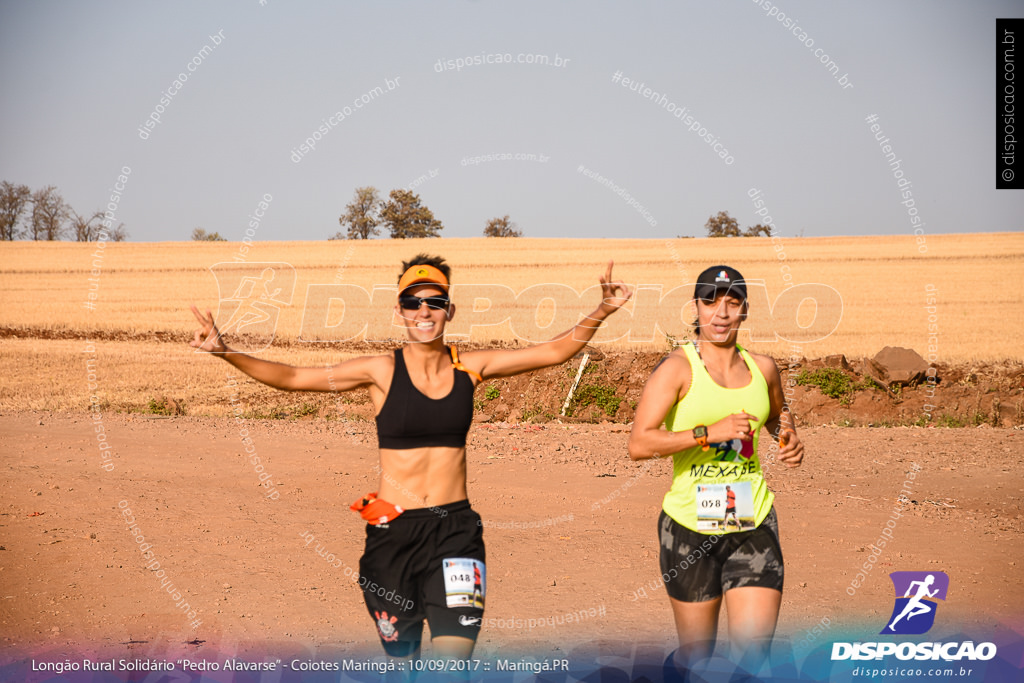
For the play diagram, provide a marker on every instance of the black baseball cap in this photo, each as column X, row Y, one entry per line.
column 717, row 280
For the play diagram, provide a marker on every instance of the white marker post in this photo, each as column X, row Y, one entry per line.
column 579, row 375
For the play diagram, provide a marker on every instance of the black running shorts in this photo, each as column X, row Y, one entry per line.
column 699, row 567
column 426, row 564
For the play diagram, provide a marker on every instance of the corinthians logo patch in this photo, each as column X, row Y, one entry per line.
column 386, row 626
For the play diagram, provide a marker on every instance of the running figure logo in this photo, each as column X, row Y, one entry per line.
column 251, row 297
column 916, row 595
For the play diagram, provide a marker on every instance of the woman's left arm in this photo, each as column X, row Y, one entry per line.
column 504, row 363
column 780, row 423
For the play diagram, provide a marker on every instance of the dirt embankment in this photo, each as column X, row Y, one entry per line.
column 834, row 390
column 611, row 383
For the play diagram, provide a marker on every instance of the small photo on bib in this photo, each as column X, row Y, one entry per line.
column 465, row 582
column 725, row 507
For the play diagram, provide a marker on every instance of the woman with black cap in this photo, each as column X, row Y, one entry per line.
column 718, row 530
column 424, row 555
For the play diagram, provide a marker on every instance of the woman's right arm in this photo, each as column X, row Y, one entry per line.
column 345, row 376
column 663, row 388
column 666, row 386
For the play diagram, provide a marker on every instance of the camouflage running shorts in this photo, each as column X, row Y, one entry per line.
column 698, row 567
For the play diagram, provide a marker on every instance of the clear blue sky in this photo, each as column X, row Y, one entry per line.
column 79, row 79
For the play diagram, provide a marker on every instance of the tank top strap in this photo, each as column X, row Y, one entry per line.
column 699, row 377
column 757, row 377
column 699, row 373
column 401, row 375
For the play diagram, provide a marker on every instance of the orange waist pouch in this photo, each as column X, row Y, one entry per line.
column 375, row 510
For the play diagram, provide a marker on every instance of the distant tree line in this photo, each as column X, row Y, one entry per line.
column 724, row 225
column 44, row 215
column 403, row 215
column 501, row 227
column 200, row 235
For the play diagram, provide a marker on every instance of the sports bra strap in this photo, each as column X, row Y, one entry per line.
column 457, row 364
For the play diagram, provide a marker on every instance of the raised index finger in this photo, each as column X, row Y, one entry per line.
column 197, row 314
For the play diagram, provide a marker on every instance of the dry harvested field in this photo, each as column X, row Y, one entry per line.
column 74, row 583
column 880, row 286
column 871, row 292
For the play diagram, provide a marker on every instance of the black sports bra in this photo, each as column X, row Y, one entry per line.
column 410, row 419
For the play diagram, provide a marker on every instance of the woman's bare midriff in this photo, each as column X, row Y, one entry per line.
column 422, row 477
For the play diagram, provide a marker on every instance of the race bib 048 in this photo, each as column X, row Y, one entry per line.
column 465, row 582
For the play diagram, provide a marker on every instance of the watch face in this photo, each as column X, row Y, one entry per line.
column 700, row 432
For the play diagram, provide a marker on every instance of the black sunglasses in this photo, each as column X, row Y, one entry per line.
column 413, row 303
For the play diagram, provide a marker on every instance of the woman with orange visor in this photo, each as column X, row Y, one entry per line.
column 423, row 540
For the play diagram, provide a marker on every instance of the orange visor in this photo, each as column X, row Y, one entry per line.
column 422, row 274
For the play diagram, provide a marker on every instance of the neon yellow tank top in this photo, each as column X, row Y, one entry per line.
column 720, row 490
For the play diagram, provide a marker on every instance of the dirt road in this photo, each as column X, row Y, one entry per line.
column 570, row 531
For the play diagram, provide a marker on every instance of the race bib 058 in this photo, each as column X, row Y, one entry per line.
column 725, row 507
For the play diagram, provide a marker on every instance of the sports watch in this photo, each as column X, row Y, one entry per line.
column 700, row 433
